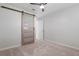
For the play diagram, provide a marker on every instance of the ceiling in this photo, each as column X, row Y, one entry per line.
column 23, row 6
column 50, row 7
column 53, row 7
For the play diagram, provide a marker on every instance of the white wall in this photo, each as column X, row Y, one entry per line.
column 39, row 28
column 10, row 28
column 63, row 26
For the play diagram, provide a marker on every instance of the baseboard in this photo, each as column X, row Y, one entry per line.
column 68, row 46
column 10, row 47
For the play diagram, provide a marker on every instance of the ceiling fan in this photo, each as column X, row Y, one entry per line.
column 40, row 4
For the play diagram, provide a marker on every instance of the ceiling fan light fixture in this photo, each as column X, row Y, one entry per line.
column 41, row 6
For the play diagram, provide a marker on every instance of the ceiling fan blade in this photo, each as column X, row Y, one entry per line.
column 38, row 3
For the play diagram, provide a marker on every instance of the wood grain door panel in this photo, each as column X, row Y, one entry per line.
column 27, row 28
column 29, row 34
column 27, row 40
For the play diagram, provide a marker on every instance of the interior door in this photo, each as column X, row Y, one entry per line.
column 27, row 28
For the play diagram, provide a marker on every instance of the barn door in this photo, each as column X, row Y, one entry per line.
column 27, row 28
